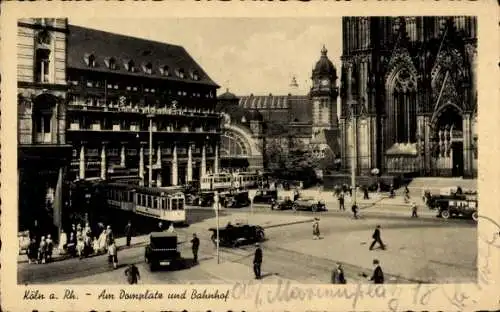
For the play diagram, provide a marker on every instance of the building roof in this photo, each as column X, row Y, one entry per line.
column 324, row 66
column 280, row 108
column 104, row 46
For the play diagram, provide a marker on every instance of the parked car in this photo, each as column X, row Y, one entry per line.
column 308, row 203
column 265, row 196
column 238, row 234
column 206, row 199
column 162, row 250
column 235, row 199
column 282, row 203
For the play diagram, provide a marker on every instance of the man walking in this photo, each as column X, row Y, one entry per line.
column 354, row 210
column 338, row 275
column 377, row 239
column 414, row 210
column 341, row 201
column 316, row 228
column 257, row 261
column 132, row 273
column 378, row 275
column 195, row 245
column 128, row 232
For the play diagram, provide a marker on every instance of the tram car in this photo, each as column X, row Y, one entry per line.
column 162, row 203
column 216, row 181
column 225, row 181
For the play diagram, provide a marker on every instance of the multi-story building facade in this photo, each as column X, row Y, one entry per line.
column 291, row 120
column 409, row 92
column 109, row 106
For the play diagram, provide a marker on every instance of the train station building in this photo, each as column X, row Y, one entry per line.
column 98, row 105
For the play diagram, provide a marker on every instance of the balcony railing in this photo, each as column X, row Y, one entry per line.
column 135, row 128
column 79, row 105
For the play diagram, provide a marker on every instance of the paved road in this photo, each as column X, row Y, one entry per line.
column 289, row 252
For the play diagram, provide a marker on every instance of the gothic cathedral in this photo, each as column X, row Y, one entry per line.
column 408, row 88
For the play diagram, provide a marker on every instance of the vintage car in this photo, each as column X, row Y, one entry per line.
column 308, row 203
column 235, row 199
column 282, row 203
column 238, row 234
column 465, row 206
column 265, row 196
column 205, row 199
column 162, row 250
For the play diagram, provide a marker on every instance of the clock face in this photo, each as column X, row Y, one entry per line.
column 325, row 82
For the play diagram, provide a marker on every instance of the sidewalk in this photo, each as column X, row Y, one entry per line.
column 142, row 240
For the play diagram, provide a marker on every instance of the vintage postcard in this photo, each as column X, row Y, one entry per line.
column 250, row 156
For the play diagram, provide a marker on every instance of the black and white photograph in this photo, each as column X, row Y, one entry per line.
column 263, row 161
column 159, row 158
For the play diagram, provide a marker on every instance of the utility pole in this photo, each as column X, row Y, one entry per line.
column 150, row 171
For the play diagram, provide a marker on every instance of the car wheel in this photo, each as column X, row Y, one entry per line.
column 153, row 266
column 214, row 239
column 294, row 207
column 445, row 214
column 146, row 259
column 260, row 236
column 475, row 216
column 314, row 208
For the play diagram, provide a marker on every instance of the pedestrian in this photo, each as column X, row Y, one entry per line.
column 63, row 242
column 407, row 194
column 42, row 249
column 377, row 239
column 72, row 244
column 378, row 275
column 338, row 275
column 414, row 210
column 316, row 228
column 50, row 247
column 257, row 261
column 195, row 245
column 365, row 193
column 132, row 273
column 128, row 232
column 341, row 201
column 354, row 210
column 33, row 251
column 109, row 236
column 113, row 254
column 391, row 191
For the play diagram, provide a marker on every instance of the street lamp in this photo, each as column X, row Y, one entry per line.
column 150, row 171
column 354, row 158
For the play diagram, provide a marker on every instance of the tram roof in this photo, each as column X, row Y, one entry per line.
column 158, row 190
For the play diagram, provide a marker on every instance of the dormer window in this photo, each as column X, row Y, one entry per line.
column 195, row 75
column 111, row 63
column 165, row 70
column 148, row 68
column 130, row 66
column 91, row 60
column 180, row 73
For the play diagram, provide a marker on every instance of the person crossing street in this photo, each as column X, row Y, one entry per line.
column 257, row 261
column 377, row 239
column 194, row 247
column 132, row 273
column 414, row 210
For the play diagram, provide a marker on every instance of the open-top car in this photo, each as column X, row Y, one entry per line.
column 265, row 196
column 238, row 234
column 162, row 250
column 308, row 203
column 282, row 203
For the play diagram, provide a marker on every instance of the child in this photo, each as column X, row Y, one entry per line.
column 113, row 257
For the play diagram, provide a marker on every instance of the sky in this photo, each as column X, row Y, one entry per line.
column 245, row 55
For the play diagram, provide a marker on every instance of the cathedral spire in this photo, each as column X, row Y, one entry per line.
column 324, row 51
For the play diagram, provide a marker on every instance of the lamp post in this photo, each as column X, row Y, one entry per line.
column 354, row 162
column 150, row 171
column 216, row 207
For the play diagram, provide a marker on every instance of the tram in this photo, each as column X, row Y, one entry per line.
column 225, row 181
column 161, row 203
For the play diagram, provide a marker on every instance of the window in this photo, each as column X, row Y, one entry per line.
column 195, row 75
column 165, row 70
column 180, row 73
column 91, row 62
column 148, row 69
column 131, row 66
column 42, row 65
column 112, row 64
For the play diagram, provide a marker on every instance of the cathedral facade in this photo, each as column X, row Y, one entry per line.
column 409, row 92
